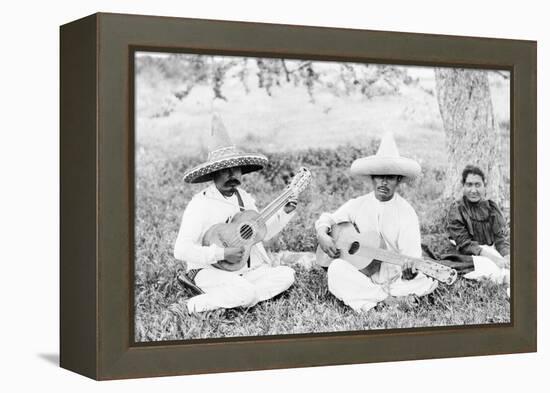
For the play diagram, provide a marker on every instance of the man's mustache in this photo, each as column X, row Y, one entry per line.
column 232, row 183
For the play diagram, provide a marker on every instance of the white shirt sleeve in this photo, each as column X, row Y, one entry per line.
column 409, row 233
column 188, row 246
column 344, row 213
column 277, row 222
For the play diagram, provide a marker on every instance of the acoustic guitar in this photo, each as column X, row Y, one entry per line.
column 360, row 249
column 248, row 227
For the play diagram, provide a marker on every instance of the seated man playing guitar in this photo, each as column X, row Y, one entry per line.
column 230, row 271
column 386, row 219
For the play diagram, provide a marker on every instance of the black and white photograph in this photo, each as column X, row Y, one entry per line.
column 275, row 196
column 282, row 196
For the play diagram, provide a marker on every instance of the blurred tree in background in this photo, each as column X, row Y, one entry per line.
column 471, row 133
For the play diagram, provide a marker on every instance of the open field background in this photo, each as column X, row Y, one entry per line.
column 326, row 136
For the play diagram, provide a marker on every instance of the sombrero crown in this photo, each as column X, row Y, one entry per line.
column 386, row 161
column 223, row 154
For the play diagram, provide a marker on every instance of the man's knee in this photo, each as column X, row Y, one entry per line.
column 284, row 274
column 281, row 278
column 486, row 268
column 335, row 275
column 336, row 266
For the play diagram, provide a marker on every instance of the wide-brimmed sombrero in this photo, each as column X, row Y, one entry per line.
column 386, row 161
column 223, row 154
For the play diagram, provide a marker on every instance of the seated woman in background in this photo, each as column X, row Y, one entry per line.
column 477, row 228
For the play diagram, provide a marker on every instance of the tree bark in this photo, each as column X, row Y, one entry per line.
column 467, row 112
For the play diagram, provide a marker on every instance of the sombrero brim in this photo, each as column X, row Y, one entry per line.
column 379, row 165
column 247, row 162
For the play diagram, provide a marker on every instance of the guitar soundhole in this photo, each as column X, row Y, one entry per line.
column 353, row 248
column 246, row 231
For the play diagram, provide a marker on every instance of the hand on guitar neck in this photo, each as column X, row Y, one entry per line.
column 409, row 270
column 291, row 204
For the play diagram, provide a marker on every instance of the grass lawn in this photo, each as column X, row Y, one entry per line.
column 308, row 307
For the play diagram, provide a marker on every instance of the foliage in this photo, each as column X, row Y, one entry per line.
column 183, row 72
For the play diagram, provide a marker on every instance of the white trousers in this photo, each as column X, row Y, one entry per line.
column 484, row 268
column 360, row 292
column 228, row 289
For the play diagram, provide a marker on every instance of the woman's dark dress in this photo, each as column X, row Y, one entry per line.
column 471, row 225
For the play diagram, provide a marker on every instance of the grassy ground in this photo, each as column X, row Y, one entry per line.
column 308, row 307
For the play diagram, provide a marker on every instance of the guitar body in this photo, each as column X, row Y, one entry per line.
column 349, row 241
column 360, row 249
column 248, row 227
column 244, row 230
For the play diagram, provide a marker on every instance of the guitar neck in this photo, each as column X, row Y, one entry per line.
column 388, row 256
column 439, row 272
column 268, row 211
column 299, row 182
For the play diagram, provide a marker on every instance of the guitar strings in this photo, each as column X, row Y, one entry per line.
column 269, row 210
column 432, row 269
column 237, row 239
column 279, row 202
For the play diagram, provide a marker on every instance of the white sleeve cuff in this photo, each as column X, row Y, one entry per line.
column 217, row 253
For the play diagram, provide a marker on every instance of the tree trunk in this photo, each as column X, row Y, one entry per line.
column 466, row 109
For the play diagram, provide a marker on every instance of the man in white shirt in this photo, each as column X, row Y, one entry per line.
column 386, row 216
column 208, row 266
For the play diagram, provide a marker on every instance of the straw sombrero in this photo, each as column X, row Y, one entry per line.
column 386, row 161
column 223, row 154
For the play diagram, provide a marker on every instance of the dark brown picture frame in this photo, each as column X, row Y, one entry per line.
column 97, row 208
